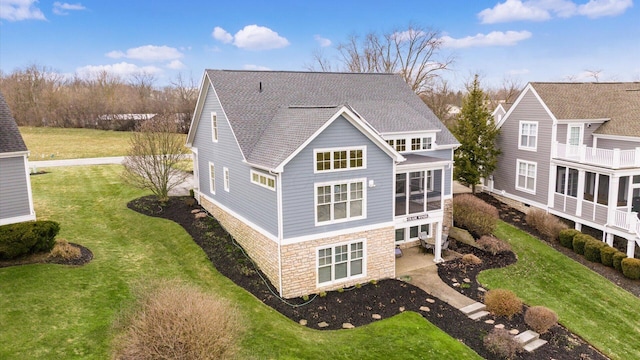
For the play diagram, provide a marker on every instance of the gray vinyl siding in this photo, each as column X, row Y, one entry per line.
column 299, row 178
column 528, row 109
column 587, row 134
column 14, row 191
column 617, row 144
column 253, row 202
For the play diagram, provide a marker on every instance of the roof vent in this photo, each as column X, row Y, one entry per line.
column 260, row 86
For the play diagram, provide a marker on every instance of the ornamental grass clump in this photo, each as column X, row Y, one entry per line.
column 63, row 250
column 503, row 302
column 502, row 344
column 470, row 259
column 546, row 224
column 475, row 215
column 493, row 245
column 540, row 319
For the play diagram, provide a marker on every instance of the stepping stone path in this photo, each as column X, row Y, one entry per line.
column 530, row 340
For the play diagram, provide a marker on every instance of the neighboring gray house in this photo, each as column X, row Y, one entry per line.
column 574, row 149
column 319, row 176
column 16, row 203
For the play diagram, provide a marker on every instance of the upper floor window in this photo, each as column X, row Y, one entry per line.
column 214, row 126
column 263, row 180
column 421, row 143
column 401, row 144
column 526, row 176
column 340, row 201
column 528, row 135
column 340, row 159
column 574, row 135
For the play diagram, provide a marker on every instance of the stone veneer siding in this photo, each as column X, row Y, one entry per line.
column 260, row 248
column 299, row 261
column 448, row 213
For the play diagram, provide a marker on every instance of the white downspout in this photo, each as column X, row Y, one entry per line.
column 280, row 229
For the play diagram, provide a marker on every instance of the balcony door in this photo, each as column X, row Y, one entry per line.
column 574, row 138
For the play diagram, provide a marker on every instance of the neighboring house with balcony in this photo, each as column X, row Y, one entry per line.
column 319, row 176
column 16, row 201
column 573, row 149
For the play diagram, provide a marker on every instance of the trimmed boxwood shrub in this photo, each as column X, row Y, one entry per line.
column 566, row 237
column 606, row 255
column 579, row 241
column 617, row 260
column 631, row 268
column 592, row 250
column 27, row 238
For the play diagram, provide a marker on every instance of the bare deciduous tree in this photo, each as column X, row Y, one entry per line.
column 154, row 153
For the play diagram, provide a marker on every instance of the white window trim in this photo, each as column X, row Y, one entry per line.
column 580, row 137
column 332, row 150
column 212, row 179
column 332, row 183
column 214, row 126
column 349, row 277
column 226, row 178
column 266, row 176
column 535, row 176
column 528, row 148
column 408, row 142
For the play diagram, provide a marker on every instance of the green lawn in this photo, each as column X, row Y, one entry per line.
column 60, row 312
column 46, row 143
column 603, row 314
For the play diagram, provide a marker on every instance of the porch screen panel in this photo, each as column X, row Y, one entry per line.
column 401, row 194
column 434, row 196
column 603, row 189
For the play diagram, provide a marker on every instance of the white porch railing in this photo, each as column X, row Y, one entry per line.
column 610, row 158
column 627, row 220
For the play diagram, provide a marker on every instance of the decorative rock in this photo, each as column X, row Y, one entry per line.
column 430, row 301
column 456, row 284
column 425, row 308
column 467, row 280
column 195, row 211
column 490, row 321
column 303, row 322
column 454, row 280
column 323, row 324
column 401, row 309
column 347, row 326
column 499, row 326
column 376, row 317
column 201, row 215
column 481, row 289
column 514, row 331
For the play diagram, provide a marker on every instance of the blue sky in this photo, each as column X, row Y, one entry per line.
column 524, row 40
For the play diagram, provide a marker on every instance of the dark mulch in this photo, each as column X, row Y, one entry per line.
column 517, row 219
column 355, row 305
column 85, row 256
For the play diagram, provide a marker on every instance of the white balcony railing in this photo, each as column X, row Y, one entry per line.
column 610, row 158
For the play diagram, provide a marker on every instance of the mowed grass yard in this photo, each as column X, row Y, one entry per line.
column 60, row 312
column 46, row 143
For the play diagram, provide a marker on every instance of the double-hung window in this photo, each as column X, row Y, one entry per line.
column 340, row 201
column 226, row 179
column 214, row 126
column 339, row 159
column 526, row 176
column 528, row 135
column 212, row 178
column 340, row 262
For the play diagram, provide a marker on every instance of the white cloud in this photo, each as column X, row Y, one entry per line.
column 147, row 53
column 120, row 69
column 323, row 42
column 515, row 72
column 494, row 38
column 17, row 10
column 175, row 65
column 62, row 8
column 251, row 37
column 255, row 67
column 541, row 10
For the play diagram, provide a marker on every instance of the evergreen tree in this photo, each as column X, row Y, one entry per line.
column 476, row 131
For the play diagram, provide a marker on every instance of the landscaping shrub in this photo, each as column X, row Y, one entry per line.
column 176, row 321
column 475, row 215
column 548, row 225
column 592, row 250
column 502, row 302
column 471, row 259
column 631, row 268
column 617, row 260
column 579, row 242
column 502, row 344
column 566, row 237
column 27, row 238
column 493, row 245
column 63, row 250
column 540, row 318
column 606, row 255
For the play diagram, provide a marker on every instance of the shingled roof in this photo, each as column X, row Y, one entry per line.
column 617, row 101
column 10, row 138
column 272, row 113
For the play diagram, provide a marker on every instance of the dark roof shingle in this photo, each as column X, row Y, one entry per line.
column 10, row 138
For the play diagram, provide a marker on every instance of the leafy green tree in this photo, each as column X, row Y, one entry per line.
column 476, row 131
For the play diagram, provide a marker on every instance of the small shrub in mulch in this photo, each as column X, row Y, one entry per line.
column 547, row 224
column 631, row 268
column 503, row 302
column 606, row 255
column 566, row 237
column 592, row 250
column 579, row 241
column 64, row 251
column 540, row 318
column 27, row 238
column 475, row 215
column 502, row 344
column 471, row 259
column 618, row 256
column 493, row 245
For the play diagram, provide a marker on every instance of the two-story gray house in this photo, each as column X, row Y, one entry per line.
column 319, row 176
column 573, row 149
column 16, row 202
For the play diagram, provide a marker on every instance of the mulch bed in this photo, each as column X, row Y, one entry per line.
column 357, row 305
column 85, row 256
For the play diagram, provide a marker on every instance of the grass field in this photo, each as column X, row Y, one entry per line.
column 602, row 313
column 45, row 143
column 60, row 312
